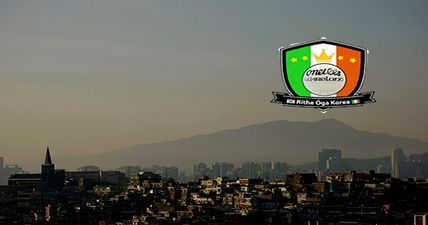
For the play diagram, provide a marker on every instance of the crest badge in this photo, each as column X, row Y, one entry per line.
column 323, row 74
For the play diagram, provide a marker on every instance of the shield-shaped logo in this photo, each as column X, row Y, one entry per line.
column 318, row 72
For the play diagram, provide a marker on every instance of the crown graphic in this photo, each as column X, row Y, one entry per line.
column 323, row 57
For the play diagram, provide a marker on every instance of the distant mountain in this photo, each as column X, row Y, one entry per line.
column 292, row 142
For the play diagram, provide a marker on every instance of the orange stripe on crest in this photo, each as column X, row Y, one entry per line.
column 349, row 61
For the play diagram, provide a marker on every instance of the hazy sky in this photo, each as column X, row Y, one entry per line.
column 95, row 76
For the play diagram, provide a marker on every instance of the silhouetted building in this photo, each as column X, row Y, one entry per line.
column 59, row 178
column 85, row 180
column 49, row 179
column 27, row 180
column 397, row 158
column 87, row 175
column 48, row 171
column 113, row 177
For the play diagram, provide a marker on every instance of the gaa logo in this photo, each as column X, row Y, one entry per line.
column 323, row 74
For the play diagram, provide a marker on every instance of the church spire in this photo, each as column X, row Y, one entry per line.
column 48, row 160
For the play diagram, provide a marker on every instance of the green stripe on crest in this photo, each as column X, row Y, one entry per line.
column 297, row 61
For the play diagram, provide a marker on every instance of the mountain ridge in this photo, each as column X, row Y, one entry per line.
column 293, row 142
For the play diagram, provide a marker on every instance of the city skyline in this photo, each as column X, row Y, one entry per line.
column 330, row 161
column 268, row 193
column 277, row 139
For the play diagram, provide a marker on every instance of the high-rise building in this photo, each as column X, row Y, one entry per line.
column 267, row 166
column 215, row 170
column 200, row 170
column 226, row 169
column 328, row 154
column 397, row 158
column 279, row 170
column 279, row 166
column 251, row 170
